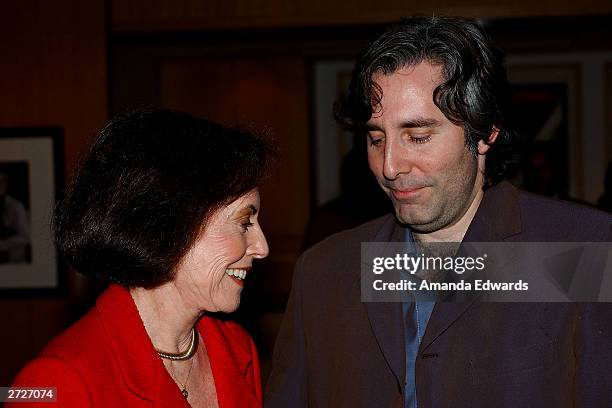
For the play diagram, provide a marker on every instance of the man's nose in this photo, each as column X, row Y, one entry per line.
column 397, row 159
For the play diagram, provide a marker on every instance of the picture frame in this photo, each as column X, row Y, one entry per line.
column 331, row 78
column 551, row 92
column 31, row 177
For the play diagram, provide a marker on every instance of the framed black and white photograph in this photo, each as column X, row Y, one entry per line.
column 31, row 175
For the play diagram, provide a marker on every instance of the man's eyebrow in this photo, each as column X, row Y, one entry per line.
column 408, row 124
column 371, row 127
column 421, row 123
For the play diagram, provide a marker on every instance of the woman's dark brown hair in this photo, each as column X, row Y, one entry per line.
column 148, row 185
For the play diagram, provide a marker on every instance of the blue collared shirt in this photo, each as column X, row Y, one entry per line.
column 420, row 316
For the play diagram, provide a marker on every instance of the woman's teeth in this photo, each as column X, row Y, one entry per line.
column 236, row 273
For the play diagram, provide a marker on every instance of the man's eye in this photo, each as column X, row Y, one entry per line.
column 376, row 142
column 246, row 225
column 420, row 139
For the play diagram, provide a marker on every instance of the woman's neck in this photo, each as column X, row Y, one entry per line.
column 167, row 319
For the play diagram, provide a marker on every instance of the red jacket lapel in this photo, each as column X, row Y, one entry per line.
column 142, row 370
column 234, row 363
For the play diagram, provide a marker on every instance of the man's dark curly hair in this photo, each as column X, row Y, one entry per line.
column 147, row 187
column 473, row 94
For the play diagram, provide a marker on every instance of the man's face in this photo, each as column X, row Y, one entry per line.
column 418, row 156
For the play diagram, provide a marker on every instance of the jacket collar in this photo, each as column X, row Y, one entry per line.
column 143, row 371
column 498, row 218
column 231, row 359
column 386, row 317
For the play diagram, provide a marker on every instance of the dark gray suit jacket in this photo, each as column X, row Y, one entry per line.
column 335, row 351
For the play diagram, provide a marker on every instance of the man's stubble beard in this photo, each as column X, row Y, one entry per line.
column 441, row 211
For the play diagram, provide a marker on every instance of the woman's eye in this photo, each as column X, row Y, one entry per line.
column 246, row 225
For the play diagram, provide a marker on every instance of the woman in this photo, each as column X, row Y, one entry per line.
column 164, row 207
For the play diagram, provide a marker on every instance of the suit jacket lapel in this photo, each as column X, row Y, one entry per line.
column 386, row 319
column 498, row 217
column 230, row 361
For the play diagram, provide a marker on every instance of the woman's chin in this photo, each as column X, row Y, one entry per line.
column 230, row 308
column 229, row 304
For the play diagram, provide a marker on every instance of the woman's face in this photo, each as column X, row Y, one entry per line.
column 211, row 275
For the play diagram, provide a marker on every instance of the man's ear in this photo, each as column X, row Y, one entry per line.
column 483, row 147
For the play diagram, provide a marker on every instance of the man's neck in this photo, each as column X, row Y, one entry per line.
column 456, row 231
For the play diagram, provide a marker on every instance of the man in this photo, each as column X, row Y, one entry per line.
column 429, row 96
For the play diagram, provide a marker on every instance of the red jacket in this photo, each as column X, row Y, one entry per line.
column 107, row 360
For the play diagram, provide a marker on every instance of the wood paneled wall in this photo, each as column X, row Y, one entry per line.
column 161, row 15
column 52, row 73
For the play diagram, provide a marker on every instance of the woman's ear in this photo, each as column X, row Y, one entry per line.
column 483, row 147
